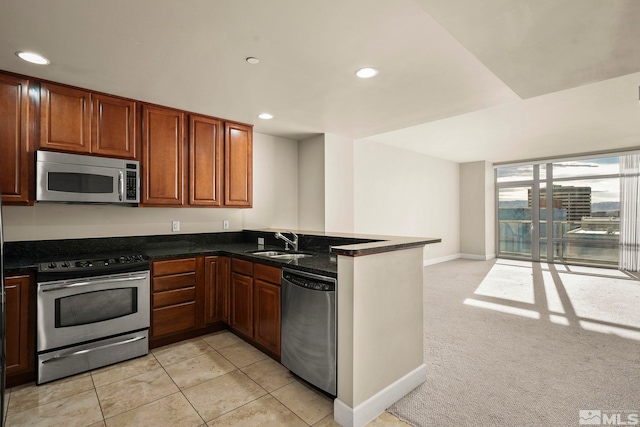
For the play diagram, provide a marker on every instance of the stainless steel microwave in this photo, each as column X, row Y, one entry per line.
column 74, row 178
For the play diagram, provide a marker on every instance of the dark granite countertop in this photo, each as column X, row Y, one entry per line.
column 325, row 247
column 364, row 244
column 320, row 263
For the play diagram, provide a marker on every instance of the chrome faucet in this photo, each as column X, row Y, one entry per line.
column 288, row 241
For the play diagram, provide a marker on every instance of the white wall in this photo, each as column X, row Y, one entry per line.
column 399, row 192
column 275, row 202
column 311, row 191
column 477, row 221
column 60, row 221
column 275, row 184
column 338, row 183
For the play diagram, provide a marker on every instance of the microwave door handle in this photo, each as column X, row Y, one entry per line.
column 120, row 186
column 95, row 282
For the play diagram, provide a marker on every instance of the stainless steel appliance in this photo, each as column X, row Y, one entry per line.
column 91, row 313
column 2, row 321
column 308, row 343
column 62, row 177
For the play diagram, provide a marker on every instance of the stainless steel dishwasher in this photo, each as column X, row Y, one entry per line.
column 308, row 343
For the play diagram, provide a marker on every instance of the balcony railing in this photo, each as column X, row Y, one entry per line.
column 592, row 241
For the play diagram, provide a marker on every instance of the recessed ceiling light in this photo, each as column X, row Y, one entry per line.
column 253, row 61
column 33, row 58
column 367, row 72
column 265, row 116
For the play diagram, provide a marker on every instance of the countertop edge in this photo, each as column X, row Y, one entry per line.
column 361, row 249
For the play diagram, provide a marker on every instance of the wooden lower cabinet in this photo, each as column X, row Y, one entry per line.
column 241, row 313
column 255, row 304
column 216, row 304
column 177, row 297
column 196, row 295
column 20, row 328
column 266, row 314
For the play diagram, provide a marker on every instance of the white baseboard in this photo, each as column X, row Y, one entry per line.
column 432, row 261
column 378, row 403
column 478, row 257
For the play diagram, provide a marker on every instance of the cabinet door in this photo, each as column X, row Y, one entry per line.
column 216, row 307
column 20, row 332
column 163, row 161
column 16, row 116
column 65, row 118
column 238, row 165
column 114, row 127
column 241, row 313
column 205, row 161
column 266, row 315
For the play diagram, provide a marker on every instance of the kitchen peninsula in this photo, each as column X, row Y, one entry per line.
column 379, row 294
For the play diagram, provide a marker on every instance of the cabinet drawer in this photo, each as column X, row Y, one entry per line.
column 242, row 267
column 176, row 281
column 174, row 266
column 178, row 296
column 169, row 320
column 266, row 273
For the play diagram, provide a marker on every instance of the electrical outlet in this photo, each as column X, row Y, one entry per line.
column 175, row 225
column 225, row 224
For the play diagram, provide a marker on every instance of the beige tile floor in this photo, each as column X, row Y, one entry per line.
column 215, row 380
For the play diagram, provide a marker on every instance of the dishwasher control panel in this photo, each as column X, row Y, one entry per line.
column 309, row 282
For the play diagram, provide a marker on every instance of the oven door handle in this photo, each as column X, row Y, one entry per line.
column 88, row 283
column 89, row 350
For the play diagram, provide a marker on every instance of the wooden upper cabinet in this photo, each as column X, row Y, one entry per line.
column 205, row 161
column 16, row 133
column 113, row 127
column 163, row 157
column 65, row 118
column 81, row 122
column 238, row 165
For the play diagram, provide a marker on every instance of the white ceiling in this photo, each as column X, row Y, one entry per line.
column 496, row 80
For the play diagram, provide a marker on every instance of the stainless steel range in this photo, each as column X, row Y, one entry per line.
column 91, row 313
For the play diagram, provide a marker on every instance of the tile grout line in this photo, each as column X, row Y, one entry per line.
column 95, row 391
column 140, row 406
column 180, row 390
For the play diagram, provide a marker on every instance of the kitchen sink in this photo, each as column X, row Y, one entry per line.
column 282, row 254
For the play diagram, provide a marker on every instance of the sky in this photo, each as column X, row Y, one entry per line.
column 602, row 189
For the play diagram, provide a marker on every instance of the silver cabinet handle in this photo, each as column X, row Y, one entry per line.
column 88, row 283
column 89, row 350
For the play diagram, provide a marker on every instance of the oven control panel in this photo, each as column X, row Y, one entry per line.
column 98, row 263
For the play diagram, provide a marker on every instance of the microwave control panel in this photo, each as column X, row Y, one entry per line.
column 131, row 188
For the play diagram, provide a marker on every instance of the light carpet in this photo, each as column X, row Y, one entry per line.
column 510, row 343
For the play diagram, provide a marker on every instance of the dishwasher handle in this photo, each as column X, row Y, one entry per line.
column 308, row 282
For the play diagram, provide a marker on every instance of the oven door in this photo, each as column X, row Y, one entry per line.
column 74, row 311
column 64, row 182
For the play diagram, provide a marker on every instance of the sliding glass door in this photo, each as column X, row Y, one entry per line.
column 565, row 211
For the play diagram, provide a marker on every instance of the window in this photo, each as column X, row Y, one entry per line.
column 566, row 211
